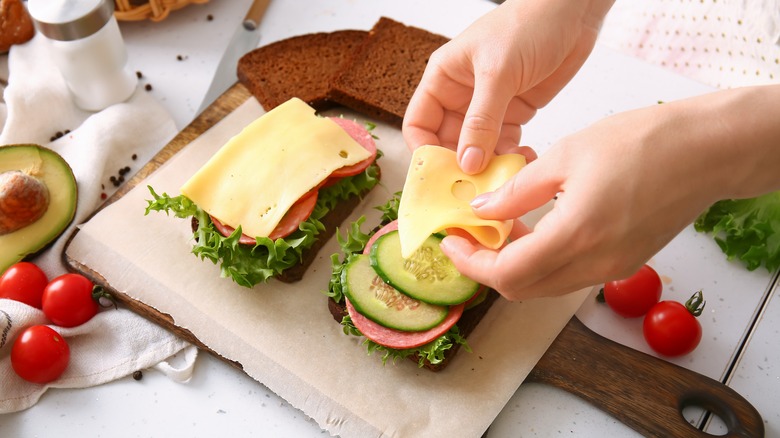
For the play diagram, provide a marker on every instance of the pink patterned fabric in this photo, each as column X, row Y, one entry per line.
column 722, row 43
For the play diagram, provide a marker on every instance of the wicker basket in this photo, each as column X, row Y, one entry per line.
column 155, row 10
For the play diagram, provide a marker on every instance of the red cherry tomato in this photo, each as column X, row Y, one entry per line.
column 23, row 281
column 671, row 328
column 67, row 300
column 40, row 354
column 634, row 296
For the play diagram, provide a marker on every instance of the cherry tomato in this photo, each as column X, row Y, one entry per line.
column 68, row 302
column 634, row 296
column 23, row 281
column 40, row 354
column 671, row 328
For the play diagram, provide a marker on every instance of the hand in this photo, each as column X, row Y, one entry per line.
column 625, row 187
column 479, row 88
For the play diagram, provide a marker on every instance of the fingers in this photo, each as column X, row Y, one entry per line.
column 527, row 190
column 525, row 268
column 526, row 151
column 422, row 120
column 482, row 123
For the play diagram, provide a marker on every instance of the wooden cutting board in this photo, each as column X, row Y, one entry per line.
column 580, row 361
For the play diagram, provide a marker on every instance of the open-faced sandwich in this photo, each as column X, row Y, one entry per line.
column 266, row 201
column 395, row 286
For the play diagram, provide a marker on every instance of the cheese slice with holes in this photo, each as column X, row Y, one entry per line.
column 258, row 174
column 437, row 196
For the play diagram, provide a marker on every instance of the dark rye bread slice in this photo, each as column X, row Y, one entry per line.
column 298, row 67
column 331, row 221
column 466, row 325
column 385, row 70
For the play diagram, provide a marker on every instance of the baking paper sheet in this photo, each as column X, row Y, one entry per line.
column 284, row 335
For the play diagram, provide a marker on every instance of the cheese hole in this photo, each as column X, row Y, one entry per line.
column 464, row 190
column 343, row 154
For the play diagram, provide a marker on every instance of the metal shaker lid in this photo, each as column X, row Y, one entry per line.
column 69, row 20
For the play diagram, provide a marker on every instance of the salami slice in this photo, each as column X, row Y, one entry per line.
column 402, row 340
column 364, row 138
column 392, row 226
column 299, row 212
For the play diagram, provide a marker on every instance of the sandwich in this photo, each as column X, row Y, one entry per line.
column 395, row 287
column 266, row 202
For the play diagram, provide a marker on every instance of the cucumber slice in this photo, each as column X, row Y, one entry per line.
column 427, row 275
column 379, row 302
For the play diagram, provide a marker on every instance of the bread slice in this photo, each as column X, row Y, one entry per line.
column 298, row 67
column 466, row 325
column 383, row 73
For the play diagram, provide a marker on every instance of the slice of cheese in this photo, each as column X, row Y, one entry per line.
column 437, row 196
column 257, row 175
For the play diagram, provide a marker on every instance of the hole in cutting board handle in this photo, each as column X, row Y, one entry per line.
column 715, row 407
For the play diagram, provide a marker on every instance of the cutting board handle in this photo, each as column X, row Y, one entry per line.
column 644, row 392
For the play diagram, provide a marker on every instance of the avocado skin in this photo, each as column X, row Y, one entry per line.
column 55, row 173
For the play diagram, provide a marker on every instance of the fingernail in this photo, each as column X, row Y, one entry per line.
column 481, row 200
column 471, row 160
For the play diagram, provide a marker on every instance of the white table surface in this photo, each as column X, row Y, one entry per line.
column 223, row 401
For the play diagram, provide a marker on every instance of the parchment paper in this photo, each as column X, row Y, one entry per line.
column 284, row 335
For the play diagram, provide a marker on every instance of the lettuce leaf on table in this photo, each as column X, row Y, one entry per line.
column 746, row 229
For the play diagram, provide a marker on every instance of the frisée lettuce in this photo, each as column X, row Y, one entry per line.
column 249, row 265
column 746, row 229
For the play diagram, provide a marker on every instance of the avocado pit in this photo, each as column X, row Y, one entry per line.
column 23, row 200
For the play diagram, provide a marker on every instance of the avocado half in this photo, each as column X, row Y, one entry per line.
column 29, row 176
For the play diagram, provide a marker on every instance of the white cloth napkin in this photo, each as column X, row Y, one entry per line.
column 111, row 345
column 37, row 106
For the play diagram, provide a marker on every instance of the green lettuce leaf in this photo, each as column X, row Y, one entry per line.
column 250, row 265
column 432, row 352
column 746, row 229
column 353, row 242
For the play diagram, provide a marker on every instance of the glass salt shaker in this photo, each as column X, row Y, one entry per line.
column 87, row 47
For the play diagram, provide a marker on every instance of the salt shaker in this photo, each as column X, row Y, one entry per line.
column 87, row 47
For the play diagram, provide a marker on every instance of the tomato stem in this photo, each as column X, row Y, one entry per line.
column 600, row 297
column 695, row 303
column 101, row 296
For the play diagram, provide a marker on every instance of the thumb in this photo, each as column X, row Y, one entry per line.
column 482, row 123
column 527, row 190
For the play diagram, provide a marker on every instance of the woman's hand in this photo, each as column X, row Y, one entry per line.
column 625, row 187
column 479, row 88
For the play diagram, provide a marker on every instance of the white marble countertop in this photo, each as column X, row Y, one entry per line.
column 178, row 57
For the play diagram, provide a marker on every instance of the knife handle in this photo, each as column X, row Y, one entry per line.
column 255, row 14
column 646, row 393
